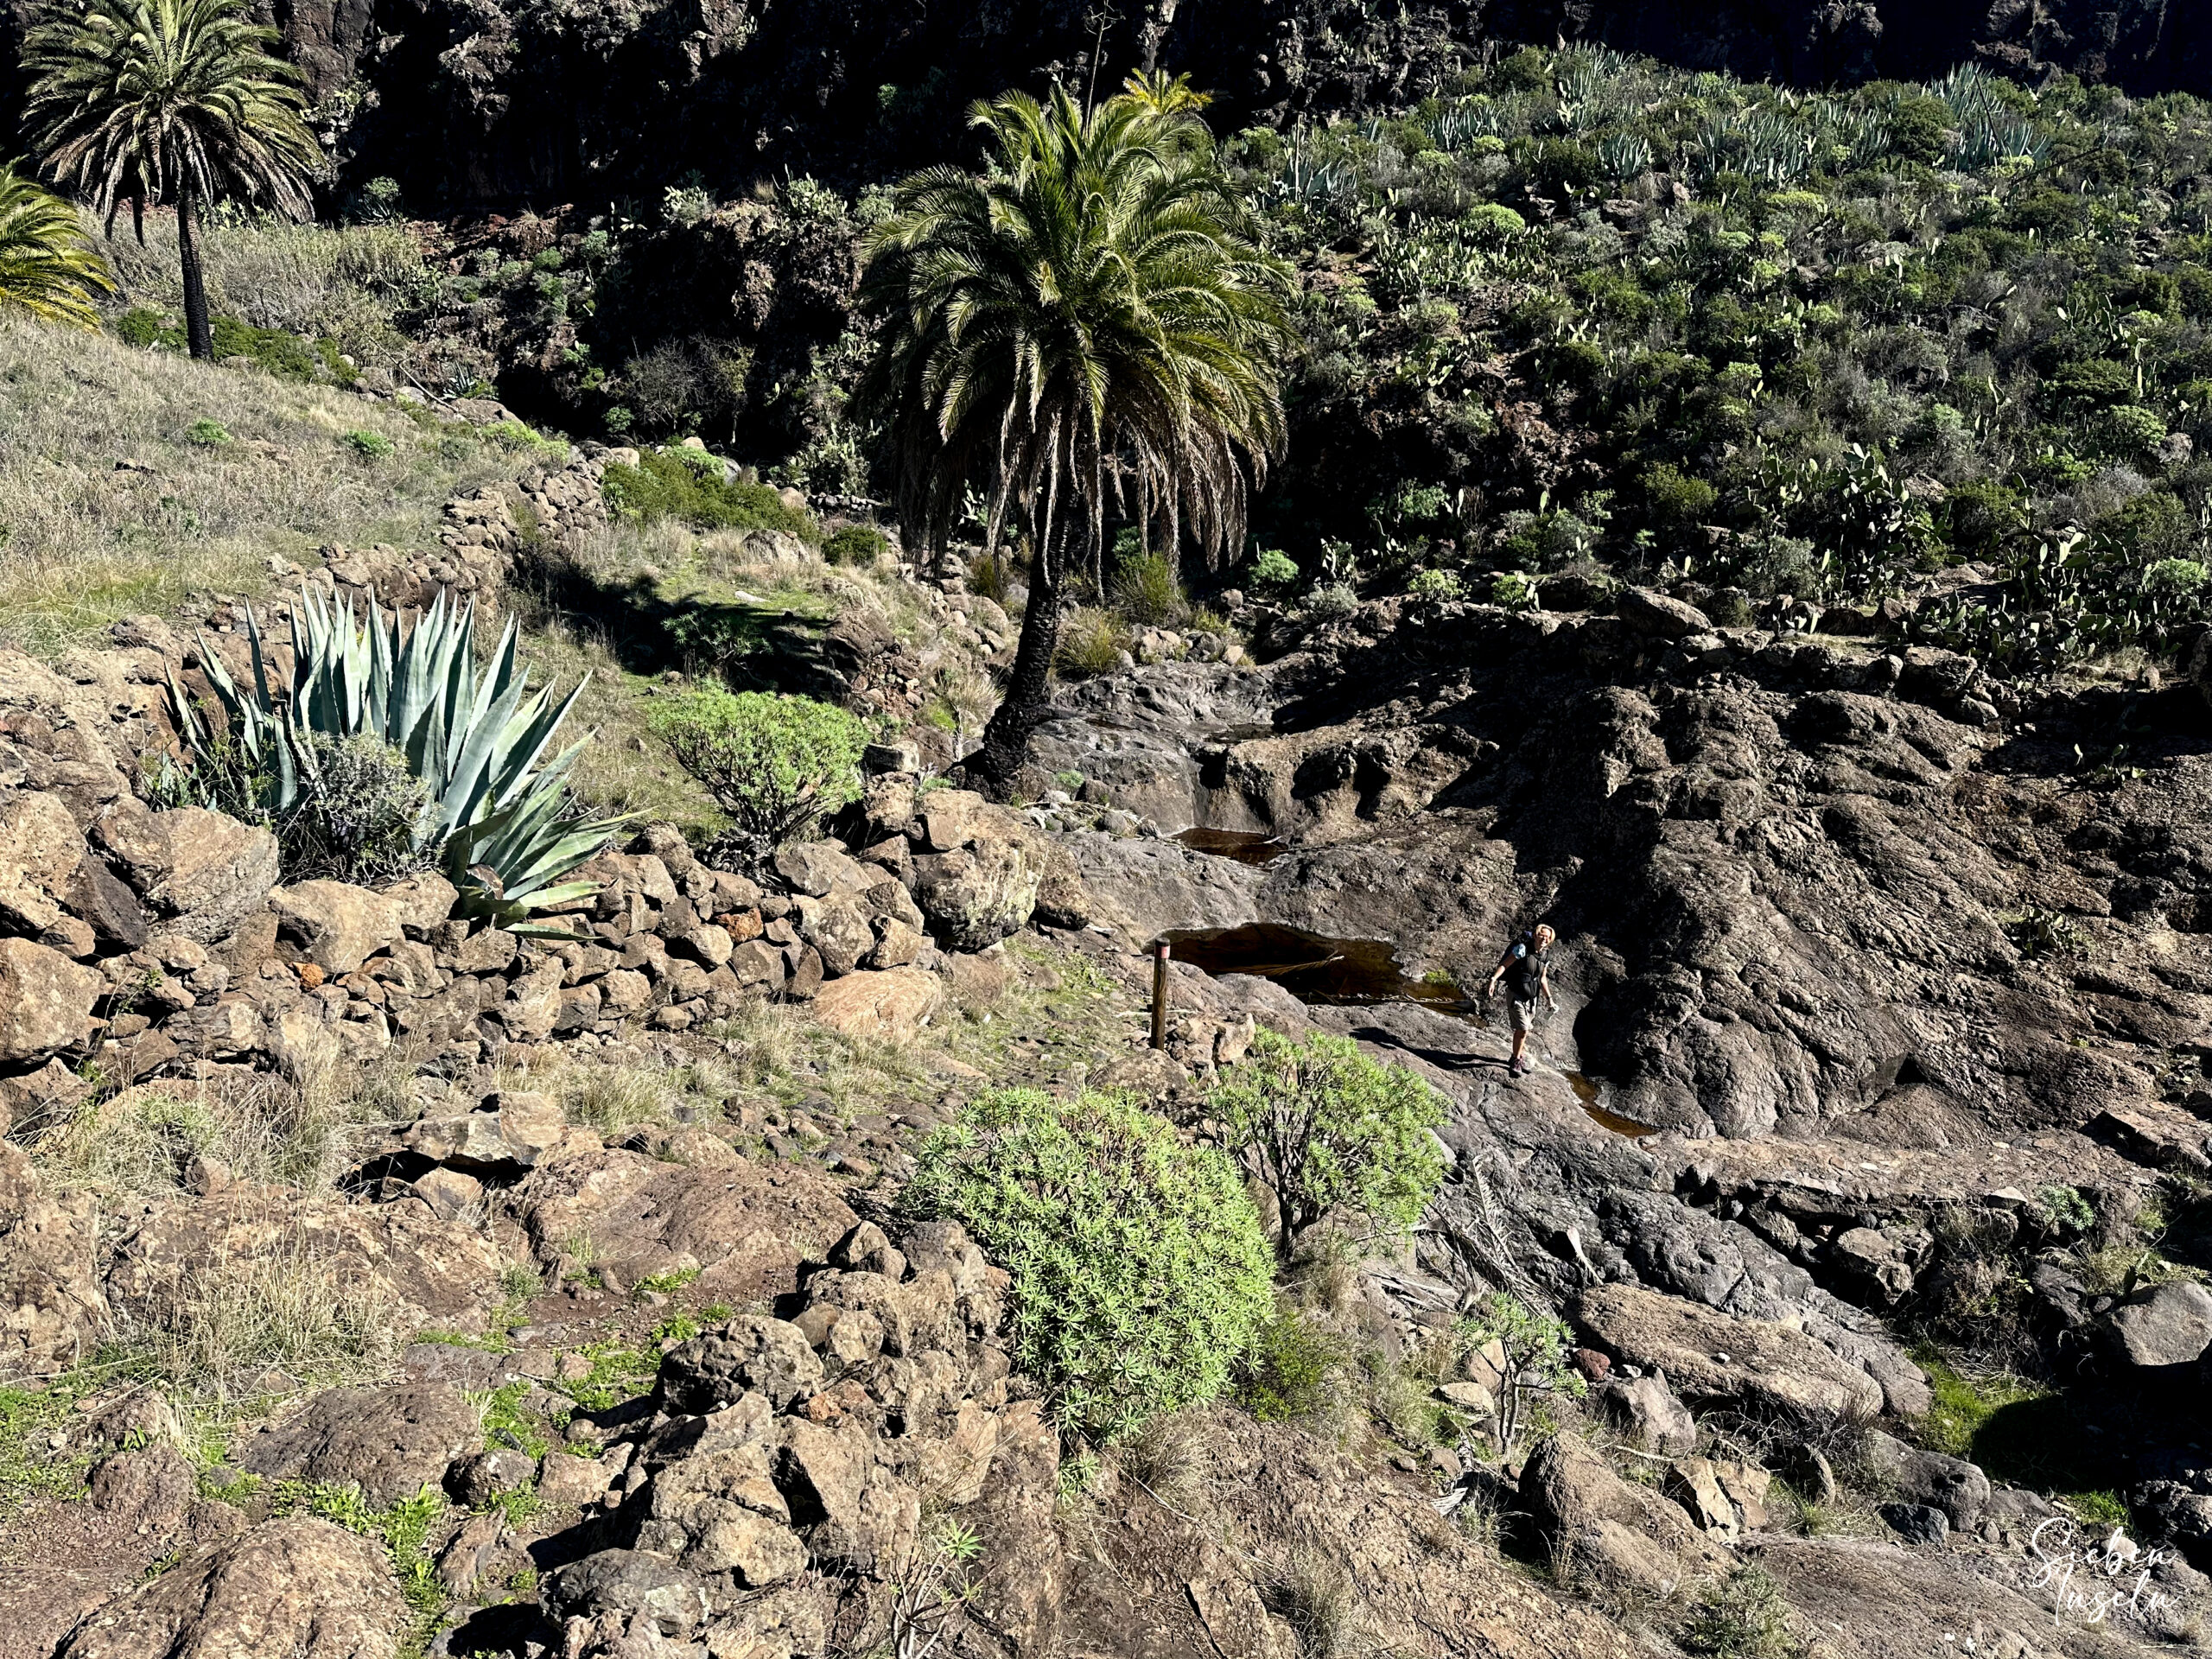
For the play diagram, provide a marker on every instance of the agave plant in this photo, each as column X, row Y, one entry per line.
column 496, row 813
column 1624, row 155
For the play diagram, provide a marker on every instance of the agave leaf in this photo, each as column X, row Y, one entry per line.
column 188, row 723
column 465, row 789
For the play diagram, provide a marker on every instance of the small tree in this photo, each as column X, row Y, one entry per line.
column 46, row 269
column 176, row 101
column 1141, row 1275
column 1327, row 1129
column 775, row 764
column 1535, row 1353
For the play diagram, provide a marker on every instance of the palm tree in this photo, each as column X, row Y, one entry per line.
column 1083, row 330
column 169, row 100
column 46, row 269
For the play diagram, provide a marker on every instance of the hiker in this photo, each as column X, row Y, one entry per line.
column 1526, row 967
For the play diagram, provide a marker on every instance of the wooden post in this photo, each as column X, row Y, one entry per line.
column 1159, row 996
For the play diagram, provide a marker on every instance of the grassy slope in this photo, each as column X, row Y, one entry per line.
column 86, row 538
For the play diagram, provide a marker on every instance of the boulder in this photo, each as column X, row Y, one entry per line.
column 1906, row 1473
column 484, row 1478
column 40, row 849
column 717, row 1509
column 976, row 895
column 747, row 1226
column 1695, row 1484
column 1713, row 1359
column 635, row 1586
column 46, row 1002
column 818, row 868
column 338, row 927
column 1648, row 1413
column 52, row 1310
column 203, row 870
column 425, row 901
column 868, row 1520
column 1620, row 1539
column 300, row 1587
column 1659, row 615
column 392, row 1441
column 748, row 1355
column 107, row 905
column 839, row 929
column 887, row 1006
column 2168, row 1326
column 1918, row 1523
column 509, row 1131
column 450, row 1194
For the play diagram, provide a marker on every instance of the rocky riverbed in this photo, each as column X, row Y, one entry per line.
column 1863, row 1162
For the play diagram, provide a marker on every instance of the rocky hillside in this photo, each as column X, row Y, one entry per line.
column 517, row 103
column 389, row 1282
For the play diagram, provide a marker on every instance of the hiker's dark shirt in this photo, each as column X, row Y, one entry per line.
column 1524, row 976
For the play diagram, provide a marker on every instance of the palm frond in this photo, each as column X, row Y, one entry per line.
column 46, row 269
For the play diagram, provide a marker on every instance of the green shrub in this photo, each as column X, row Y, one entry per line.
column 143, row 325
column 370, row 446
column 1980, row 515
column 2179, row 577
column 1675, row 499
column 358, row 810
column 1329, row 1129
column 1091, row 642
column 775, row 764
column 282, row 354
column 1273, row 571
column 1146, row 590
column 860, row 544
column 1515, row 590
column 669, row 484
column 2131, row 433
column 212, row 435
column 516, row 438
column 1536, row 1348
column 1287, row 1374
column 332, row 356
column 1332, row 601
column 1745, row 1618
column 1140, row 1272
column 1436, row 588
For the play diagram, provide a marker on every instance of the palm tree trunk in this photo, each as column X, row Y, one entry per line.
column 1006, row 740
column 198, row 334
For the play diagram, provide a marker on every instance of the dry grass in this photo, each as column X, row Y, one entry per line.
column 301, row 1132
column 1168, row 1456
column 82, row 544
column 624, row 768
column 239, row 1327
column 1314, row 1594
column 341, row 281
column 613, row 1098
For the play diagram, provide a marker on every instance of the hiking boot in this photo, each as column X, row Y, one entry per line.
column 1517, row 1068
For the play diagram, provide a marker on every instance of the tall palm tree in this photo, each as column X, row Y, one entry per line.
column 46, row 269
column 1083, row 331
column 169, row 100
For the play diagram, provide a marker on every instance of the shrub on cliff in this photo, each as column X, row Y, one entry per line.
column 1329, row 1129
column 1141, row 1275
column 775, row 764
column 687, row 484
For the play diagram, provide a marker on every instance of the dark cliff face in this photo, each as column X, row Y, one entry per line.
column 538, row 101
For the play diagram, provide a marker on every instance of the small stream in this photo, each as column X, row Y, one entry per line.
column 1244, row 845
column 1343, row 973
column 1340, row 973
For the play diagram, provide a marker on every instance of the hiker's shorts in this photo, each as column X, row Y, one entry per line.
column 1524, row 1016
